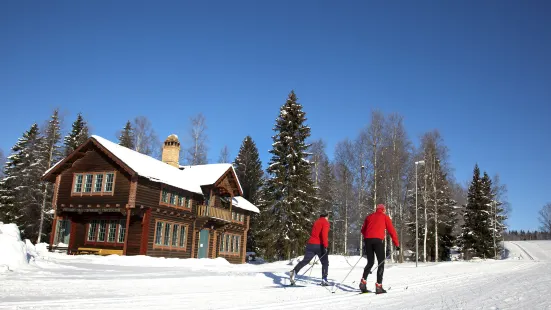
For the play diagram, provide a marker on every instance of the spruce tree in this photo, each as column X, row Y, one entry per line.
column 22, row 193
column 126, row 138
column 51, row 154
column 486, row 217
column 77, row 136
column 476, row 237
column 288, row 195
column 248, row 168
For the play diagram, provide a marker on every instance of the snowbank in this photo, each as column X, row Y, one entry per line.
column 148, row 261
column 13, row 251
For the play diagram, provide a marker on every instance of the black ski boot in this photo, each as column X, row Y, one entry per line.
column 379, row 289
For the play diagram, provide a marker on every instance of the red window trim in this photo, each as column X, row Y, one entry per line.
column 223, row 237
column 168, row 204
column 170, row 247
column 93, row 193
column 116, row 243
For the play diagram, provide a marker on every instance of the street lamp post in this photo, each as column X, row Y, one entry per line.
column 421, row 162
column 360, row 196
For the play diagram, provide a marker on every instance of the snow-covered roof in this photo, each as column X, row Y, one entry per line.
column 151, row 168
column 242, row 203
column 207, row 174
column 189, row 178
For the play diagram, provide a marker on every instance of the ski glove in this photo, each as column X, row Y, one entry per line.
column 398, row 248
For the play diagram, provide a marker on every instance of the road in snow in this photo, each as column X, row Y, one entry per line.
column 88, row 282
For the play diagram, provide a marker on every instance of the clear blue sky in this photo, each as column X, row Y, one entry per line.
column 479, row 72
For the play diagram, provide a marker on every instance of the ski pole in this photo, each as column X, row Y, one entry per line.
column 357, row 264
column 309, row 267
column 333, row 291
column 389, row 255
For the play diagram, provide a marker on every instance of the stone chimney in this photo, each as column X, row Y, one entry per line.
column 171, row 151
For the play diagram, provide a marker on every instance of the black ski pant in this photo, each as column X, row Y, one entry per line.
column 374, row 246
column 309, row 253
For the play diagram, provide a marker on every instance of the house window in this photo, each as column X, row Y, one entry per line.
column 122, row 231
column 112, row 231
column 189, row 203
column 181, row 201
column 169, row 235
column 182, row 239
column 166, row 240
column 106, row 231
column 164, row 196
column 102, row 230
column 173, row 199
column 99, row 183
column 78, row 183
column 88, row 183
column 229, row 244
column 92, row 230
column 109, row 180
column 159, row 233
column 175, row 231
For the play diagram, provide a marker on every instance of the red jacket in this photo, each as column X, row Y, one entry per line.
column 375, row 224
column 320, row 232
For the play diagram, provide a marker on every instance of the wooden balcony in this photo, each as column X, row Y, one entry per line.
column 214, row 212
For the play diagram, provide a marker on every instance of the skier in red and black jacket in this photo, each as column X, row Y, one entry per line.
column 317, row 245
column 373, row 231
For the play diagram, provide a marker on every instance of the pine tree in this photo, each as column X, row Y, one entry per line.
column 52, row 154
column 288, row 195
column 22, row 193
column 476, row 237
column 77, row 136
column 248, row 168
column 126, row 138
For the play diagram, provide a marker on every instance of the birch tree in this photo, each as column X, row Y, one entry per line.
column 196, row 153
column 224, row 155
column 145, row 138
column 52, row 154
column 375, row 137
column 545, row 218
column 344, row 179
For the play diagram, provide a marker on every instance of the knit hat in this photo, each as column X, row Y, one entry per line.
column 324, row 213
column 381, row 206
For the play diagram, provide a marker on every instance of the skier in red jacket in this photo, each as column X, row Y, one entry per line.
column 317, row 245
column 373, row 231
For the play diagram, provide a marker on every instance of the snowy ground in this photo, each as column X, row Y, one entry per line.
column 523, row 281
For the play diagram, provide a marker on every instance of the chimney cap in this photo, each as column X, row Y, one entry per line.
column 172, row 138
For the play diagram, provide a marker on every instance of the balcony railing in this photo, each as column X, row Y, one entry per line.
column 214, row 212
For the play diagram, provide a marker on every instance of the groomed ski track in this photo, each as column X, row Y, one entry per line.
column 521, row 281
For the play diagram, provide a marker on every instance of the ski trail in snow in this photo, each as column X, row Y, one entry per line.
column 523, row 250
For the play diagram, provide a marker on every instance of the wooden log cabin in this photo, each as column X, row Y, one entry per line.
column 109, row 199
